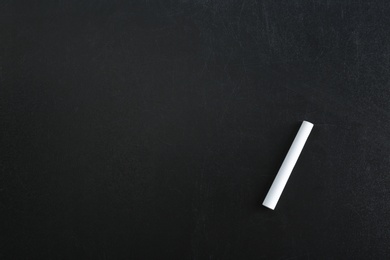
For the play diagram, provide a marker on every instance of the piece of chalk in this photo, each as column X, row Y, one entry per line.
column 288, row 164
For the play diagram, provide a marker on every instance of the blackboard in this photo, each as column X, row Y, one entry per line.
column 154, row 129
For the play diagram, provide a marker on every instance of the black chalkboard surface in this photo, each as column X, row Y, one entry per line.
column 153, row 130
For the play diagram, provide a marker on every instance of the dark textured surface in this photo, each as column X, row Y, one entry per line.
column 154, row 130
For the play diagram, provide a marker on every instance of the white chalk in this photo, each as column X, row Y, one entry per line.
column 288, row 164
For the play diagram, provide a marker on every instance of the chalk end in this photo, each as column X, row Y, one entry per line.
column 307, row 122
column 269, row 206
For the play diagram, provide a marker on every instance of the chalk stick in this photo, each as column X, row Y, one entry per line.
column 288, row 164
